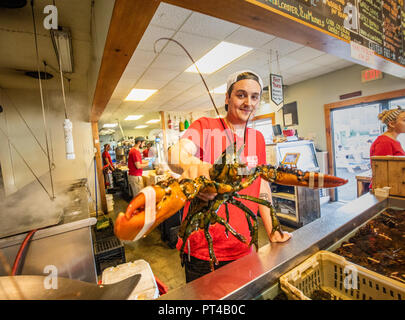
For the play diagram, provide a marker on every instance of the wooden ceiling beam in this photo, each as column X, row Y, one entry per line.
column 129, row 20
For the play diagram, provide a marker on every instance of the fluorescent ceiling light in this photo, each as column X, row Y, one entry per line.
column 105, row 132
column 141, row 127
column 153, row 121
column 219, row 90
column 218, row 57
column 133, row 117
column 140, row 94
column 110, row 125
column 62, row 43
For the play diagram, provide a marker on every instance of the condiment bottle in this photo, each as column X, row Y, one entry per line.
column 181, row 125
column 169, row 124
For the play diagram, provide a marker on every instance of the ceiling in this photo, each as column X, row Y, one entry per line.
column 180, row 91
column 17, row 31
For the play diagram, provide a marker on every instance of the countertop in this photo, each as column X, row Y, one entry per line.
column 258, row 271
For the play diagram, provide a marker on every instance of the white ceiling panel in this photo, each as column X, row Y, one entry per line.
column 158, row 74
column 303, row 68
column 141, row 58
column 171, row 62
column 133, row 73
column 317, row 72
column 283, row 47
column 305, row 54
column 169, row 16
column 188, row 78
column 150, row 84
column 249, row 38
column 197, row 46
column 125, row 84
column 252, row 59
column 177, row 86
column 152, row 34
column 285, row 64
column 210, row 27
column 325, row 60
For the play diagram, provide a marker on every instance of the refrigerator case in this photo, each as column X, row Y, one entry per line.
column 295, row 206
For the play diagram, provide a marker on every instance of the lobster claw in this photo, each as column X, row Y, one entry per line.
column 313, row 180
column 130, row 225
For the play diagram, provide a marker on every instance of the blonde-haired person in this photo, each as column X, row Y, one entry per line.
column 387, row 143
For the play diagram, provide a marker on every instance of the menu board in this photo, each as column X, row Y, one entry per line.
column 376, row 24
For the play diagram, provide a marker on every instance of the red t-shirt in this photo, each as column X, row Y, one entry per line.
column 106, row 156
column 134, row 156
column 386, row 146
column 145, row 153
column 211, row 139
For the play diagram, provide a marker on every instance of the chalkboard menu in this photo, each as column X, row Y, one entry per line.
column 376, row 24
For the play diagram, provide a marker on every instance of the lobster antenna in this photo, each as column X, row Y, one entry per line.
column 202, row 78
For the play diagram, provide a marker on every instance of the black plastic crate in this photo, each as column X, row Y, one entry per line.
column 108, row 252
column 104, row 233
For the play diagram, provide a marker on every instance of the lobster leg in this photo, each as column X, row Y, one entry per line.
column 227, row 215
column 229, row 228
column 194, row 208
column 190, row 227
column 254, row 230
column 213, row 258
column 276, row 226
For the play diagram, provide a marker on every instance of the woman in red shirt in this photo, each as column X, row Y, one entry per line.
column 387, row 143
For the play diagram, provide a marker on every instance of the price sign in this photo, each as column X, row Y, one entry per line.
column 277, row 95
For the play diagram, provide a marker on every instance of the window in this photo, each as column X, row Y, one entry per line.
column 264, row 124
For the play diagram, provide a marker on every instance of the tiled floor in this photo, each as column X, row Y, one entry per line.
column 165, row 261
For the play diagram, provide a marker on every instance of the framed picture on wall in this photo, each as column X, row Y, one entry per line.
column 290, row 115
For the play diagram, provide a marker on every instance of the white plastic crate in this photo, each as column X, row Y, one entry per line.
column 340, row 278
column 146, row 289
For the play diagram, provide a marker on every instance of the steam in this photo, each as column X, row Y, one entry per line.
column 32, row 208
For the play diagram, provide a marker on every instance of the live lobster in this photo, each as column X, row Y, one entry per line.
column 227, row 177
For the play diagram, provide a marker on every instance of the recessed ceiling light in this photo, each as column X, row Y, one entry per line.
column 219, row 90
column 221, row 55
column 153, row 121
column 140, row 94
column 110, row 125
column 133, row 117
column 141, row 127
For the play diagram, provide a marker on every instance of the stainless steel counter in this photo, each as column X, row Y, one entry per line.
column 64, row 245
column 250, row 276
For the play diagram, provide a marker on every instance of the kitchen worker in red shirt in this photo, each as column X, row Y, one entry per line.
column 202, row 143
column 108, row 165
column 107, row 162
column 135, row 166
column 387, row 144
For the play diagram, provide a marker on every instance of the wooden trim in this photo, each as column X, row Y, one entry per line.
column 328, row 108
column 100, row 175
column 129, row 20
column 372, row 98
column 271, row 116
column 163, row 124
